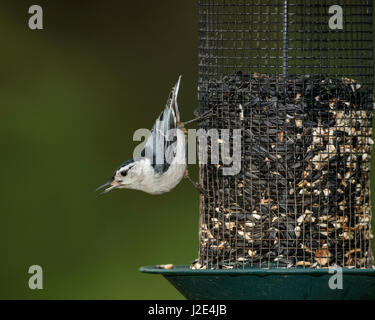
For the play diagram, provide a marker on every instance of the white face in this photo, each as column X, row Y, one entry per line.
column 125, row 176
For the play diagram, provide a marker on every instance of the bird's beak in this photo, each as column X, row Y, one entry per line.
column 113, row 185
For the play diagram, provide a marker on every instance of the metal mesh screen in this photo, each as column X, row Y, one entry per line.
column 296, row 77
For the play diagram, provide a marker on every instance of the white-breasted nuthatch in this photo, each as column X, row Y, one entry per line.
column 162, row 163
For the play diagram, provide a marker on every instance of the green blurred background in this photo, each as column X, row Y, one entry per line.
column 72, row 96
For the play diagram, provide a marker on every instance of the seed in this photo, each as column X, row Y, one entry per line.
column 252, row 253
column 337, row 225
column 196, row 265
column 230, row 225
column 297, row 230
column 250, row 224
column 322, row 256
column 256, row 216
column 347, row 235
column 165, row 266
column 303, row 264
column 352, row 251
column 299, row 123
column 301, row 219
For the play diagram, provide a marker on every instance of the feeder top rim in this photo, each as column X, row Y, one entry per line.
column 185, row 270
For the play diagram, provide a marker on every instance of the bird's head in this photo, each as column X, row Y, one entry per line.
column 123, row 177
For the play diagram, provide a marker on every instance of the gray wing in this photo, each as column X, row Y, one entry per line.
column 161, row 146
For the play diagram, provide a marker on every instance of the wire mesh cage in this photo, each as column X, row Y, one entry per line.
column 296, row 78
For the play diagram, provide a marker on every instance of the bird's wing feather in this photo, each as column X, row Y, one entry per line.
column 161, row 146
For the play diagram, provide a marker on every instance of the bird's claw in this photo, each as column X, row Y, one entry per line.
column 195, row 184
column 201, row 117
column 181, row 126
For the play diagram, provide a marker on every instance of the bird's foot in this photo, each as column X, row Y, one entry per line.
column 186, row 174
column 182, row 127
column 195, row 184
column 201, row 117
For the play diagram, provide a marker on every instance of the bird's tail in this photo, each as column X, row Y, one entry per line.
column 170, row 117
column 172, row 100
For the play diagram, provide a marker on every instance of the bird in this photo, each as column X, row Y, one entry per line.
column 162, row 163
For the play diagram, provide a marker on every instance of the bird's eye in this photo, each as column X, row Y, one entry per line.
column 124, row 173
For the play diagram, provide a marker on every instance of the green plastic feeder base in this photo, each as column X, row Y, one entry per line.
column 268, row 284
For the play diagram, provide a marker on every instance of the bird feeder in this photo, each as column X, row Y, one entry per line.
column 296, row 79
